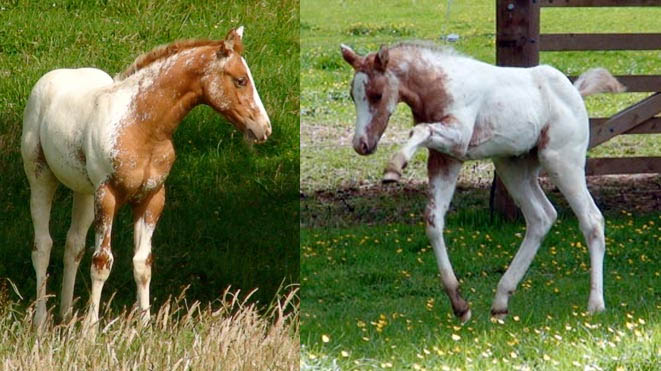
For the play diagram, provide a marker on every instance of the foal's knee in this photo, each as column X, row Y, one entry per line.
column 593, row 230
column 41, row 251
column 101, row 264
column 142, row 268
column 434, row 220
column 74, row 248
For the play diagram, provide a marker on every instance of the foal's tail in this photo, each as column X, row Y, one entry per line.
column 597, row 80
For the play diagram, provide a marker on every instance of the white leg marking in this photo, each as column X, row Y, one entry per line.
column 520, row 178
column 567, row 172
column 102, row 258
column 42, row 190
column 143, row 232
column 443, row 174
column 82, row 215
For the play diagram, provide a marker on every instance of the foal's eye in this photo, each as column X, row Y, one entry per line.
column 241, row 81
column 376, row 97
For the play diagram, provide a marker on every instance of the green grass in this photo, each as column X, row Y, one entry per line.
column 327, row 113
column 231, row 216
column 372, row 298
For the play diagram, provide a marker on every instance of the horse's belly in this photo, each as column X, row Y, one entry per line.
column 496, row 148
column 68, row 164
column 495, row 143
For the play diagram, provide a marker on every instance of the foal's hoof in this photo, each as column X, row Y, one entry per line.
column 596, row 308
column 390, row 177
column 499, row 314
column 393, row 171
column 465, row 317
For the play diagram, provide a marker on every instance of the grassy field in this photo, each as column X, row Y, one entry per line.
column 327, row 113
column 232, row 215
column 229, row 334
column 371, row 297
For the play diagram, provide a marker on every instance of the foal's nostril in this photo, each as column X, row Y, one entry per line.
column 363, row 146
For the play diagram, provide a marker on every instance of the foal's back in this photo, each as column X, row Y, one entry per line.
column 61, row 106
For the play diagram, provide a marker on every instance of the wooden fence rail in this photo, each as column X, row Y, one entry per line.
column 518, row 44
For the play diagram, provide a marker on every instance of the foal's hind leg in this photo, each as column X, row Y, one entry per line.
column 42, row 188
column 520, row 177
column 145, row 216
column 443, row 173
column 566, row 169
column 82, row 215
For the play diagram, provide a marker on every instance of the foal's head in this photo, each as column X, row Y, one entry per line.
column 230, row 89
column 375, row 92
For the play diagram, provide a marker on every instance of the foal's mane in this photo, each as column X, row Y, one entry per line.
column 161, row 52
column 425, row 45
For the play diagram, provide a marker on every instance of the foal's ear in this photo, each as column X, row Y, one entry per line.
column 350, row 56
column 233, row 41
column 381, row 59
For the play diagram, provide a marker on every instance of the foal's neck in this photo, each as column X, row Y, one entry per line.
column 422, row 86
column 167, row 91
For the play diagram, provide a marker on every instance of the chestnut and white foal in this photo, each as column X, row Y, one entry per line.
column 110, row 141
column 523, row 119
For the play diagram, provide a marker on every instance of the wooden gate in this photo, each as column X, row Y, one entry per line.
column 518, row 43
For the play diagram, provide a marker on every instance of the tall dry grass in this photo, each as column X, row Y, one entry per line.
column 230, row 334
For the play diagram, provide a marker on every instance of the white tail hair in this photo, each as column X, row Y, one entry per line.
column 597, row 80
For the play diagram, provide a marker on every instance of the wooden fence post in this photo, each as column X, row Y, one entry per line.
column 517, row 45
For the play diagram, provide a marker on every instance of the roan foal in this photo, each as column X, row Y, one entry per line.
column 110, row 141
column 523, row 119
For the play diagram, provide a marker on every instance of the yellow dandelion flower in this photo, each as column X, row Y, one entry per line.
column 325, row 338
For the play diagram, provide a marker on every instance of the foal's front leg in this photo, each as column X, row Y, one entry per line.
column 450, row 136
column 443, row 173
column 105, row 206
column 145, row 216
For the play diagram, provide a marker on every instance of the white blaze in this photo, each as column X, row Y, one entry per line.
column 363, row 114
column 257, row 101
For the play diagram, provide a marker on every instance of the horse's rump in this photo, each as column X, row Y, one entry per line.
column 55, row 122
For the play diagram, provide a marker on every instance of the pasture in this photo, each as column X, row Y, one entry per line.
column 372, row 297
column 231, row 215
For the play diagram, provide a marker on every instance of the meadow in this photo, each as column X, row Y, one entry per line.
column 231, row 216
column 371, row 297
column 327, row 113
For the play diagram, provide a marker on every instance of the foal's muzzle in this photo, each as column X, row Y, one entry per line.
column 362, row 146
column 258, row 132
